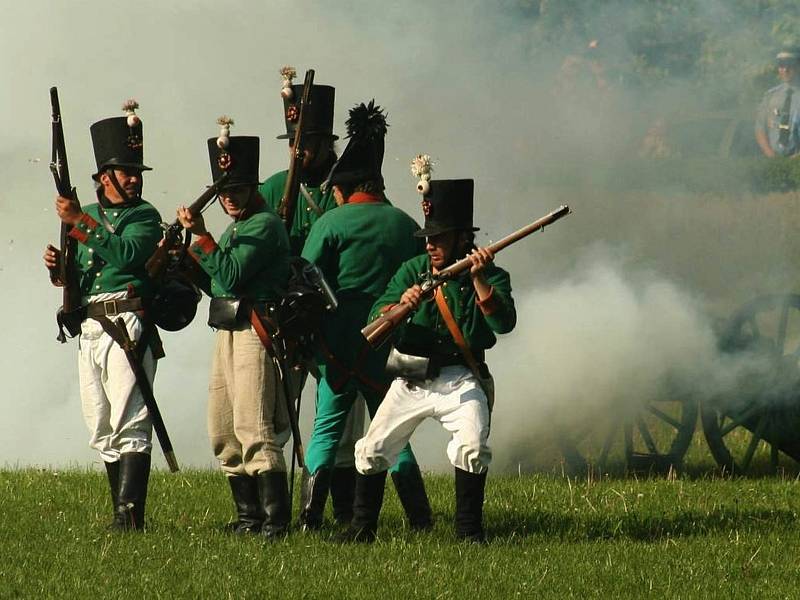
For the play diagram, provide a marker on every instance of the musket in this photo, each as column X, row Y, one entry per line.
column 64, row 274
column 158, row 262
column 129, row 347
column 379, row 330
column 286, row 208
column 276, row 346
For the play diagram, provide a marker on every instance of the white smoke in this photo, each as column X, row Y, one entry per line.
column 460, row 81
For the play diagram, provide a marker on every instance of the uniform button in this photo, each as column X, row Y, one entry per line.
column 91, row 250
column 97, row 236
column 308, row 209
column 116, row 214
column 97, row 287
column 89, row 262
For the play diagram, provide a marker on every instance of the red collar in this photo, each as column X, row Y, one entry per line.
column 363, row 198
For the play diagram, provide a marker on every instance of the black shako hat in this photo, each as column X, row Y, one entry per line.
column 118, row 144
column 239, row 159
column 363, row 157
column 447, row 206
column 319, row 112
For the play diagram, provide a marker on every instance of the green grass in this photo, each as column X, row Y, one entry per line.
column 550, row 537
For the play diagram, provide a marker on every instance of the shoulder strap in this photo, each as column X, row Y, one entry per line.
column 261, row 332
column 458, row 337
column 784, row 125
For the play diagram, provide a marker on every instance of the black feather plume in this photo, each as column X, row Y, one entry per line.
column 367, row 122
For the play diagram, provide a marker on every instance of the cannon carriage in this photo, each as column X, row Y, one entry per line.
column 750, row 423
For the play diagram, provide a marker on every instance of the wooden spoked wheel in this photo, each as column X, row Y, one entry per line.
column 651, row 437
column 754, row 427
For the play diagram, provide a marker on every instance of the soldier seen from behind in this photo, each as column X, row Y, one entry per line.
column 319, row 156
column 357, row 246
column 248, row 422
column 438, row 358
column 115, row 237
column 777, row 128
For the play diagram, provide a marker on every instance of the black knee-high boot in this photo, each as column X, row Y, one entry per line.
column 134, row 474
column 313, row 495
column 249, row 513
column 112, row 471
column 366, row 508
column 470, row 489
column 273, row 490
column 411, row 491
column 343, row 489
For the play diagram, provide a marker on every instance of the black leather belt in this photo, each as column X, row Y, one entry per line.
column 449, row 360
column 112, row 308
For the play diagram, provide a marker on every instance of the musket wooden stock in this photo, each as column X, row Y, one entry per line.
column 158, row 262
column 377, row 332
column 286, row 208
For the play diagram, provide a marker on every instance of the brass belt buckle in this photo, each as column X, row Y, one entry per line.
column 110, row 308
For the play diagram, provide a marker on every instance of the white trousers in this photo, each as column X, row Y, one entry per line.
column 113, row 407
column 454, row 398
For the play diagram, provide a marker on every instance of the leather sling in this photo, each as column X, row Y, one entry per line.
column 458, row 338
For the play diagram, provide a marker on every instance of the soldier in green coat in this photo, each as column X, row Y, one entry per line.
column 357, row 247
column 319, row 157
column 446, row 387
column 115, row 238
column 248, row 267
column 311, row 203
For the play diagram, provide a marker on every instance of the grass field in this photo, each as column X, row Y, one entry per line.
column 550, row 537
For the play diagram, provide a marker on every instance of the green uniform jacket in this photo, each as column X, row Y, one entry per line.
column 426, row 333
column 251, row 260
column 111, row 262
column 357, row 247
column 304, row 215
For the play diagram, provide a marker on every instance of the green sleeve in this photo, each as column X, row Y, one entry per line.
column 249, row 251
column 130, row 246
column 319, row 249
column 404, row 278
column 499, row 311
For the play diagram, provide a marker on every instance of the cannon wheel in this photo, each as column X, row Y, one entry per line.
column 738, row 429
column 652, row 439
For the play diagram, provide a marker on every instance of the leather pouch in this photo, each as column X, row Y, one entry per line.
column 225, row 313
column 408, row 366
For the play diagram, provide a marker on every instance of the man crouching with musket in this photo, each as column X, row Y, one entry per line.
column 357, row 246
column 438, row 360
column 248, row 423
column 115, row 237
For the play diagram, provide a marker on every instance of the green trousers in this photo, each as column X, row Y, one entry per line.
column 330, row 420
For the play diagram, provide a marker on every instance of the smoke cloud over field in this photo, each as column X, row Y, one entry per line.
column 613, row 301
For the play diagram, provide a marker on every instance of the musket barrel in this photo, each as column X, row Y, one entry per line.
column 379, row 330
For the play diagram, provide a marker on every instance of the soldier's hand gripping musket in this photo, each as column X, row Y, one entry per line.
column 158, row 262
column 379, row 330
